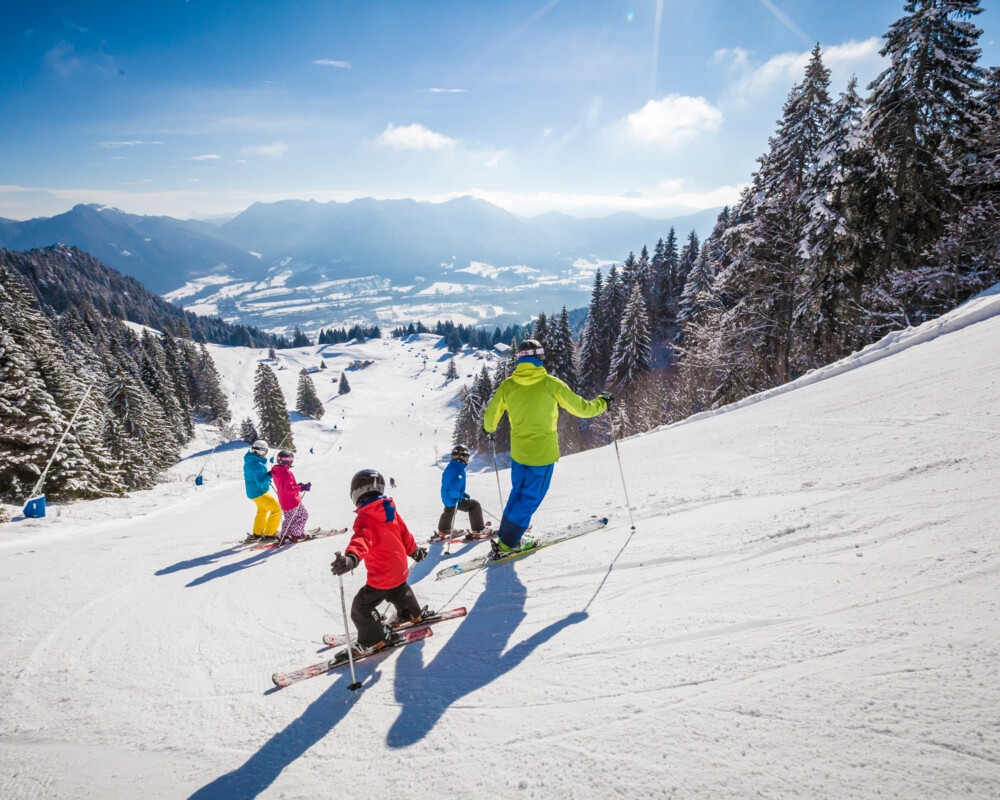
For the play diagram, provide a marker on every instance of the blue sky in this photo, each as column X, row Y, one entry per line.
column 586, row 107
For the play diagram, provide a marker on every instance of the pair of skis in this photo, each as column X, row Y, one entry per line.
column 573, row 532
column 317, row 534
column 406, row 633
column 461, row 537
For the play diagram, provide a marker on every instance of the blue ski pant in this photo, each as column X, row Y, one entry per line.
column 529, row 486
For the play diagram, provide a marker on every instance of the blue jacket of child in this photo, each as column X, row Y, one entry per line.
column 255, row 475
column 453, row 484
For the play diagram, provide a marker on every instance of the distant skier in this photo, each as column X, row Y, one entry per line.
column 453, row 494
column 392, row 482
column 532, row 399
column 294, row 514
column 258, row 482
column 382, row 540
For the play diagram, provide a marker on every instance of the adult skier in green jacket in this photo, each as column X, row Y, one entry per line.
column 532, row 399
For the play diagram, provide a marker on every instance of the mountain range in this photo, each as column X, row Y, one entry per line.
column 314, row 264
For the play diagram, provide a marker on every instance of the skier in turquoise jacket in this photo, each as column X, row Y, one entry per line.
column 532, row 399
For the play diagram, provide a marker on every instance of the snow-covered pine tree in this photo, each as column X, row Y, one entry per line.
column 632, row 353
column 299, row 339
column 135, row 432
column 697, row 293
column 344, row 386
column 272, row 354
column 211, row 402
column 272, row 411
column 248, row 431
column 452, row 372
column 30, row 420
column 629, row 274
column 924, row 114
column 686, row 262
column 540, row 331
column 966, row 259
column 594, row 358
column 667, row 291
column 307, row 401
column 614, row 300
column 560, row 355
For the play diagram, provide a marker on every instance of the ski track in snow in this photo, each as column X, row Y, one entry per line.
column 808, row 608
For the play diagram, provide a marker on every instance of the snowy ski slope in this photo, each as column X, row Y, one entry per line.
column 808, row 608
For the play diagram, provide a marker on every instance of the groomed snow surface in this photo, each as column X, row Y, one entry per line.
column 808, row 606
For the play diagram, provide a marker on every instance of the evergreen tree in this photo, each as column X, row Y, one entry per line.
column 560, row 357
column 299, row 339
column 540, row 331
column 308, row 402
column 698, row 289
column 344, row 387
column 452, row 371
column 210, row 402
column 632, row 355
column 594, row 358
column 272, row 354
column 686, row 262
column 272, row 411
column 248, row 431
column 667, row 290
column 614, row 306
column 923, row 116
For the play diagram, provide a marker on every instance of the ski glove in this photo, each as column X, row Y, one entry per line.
column 305, row 487
column 465, row 496
column 418, row 554
column 608, row 398
column 489, row 435
column 343, row 564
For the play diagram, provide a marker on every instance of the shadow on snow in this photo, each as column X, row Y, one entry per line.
column 472, row 657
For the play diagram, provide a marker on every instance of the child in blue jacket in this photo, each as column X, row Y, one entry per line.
column 453, row 494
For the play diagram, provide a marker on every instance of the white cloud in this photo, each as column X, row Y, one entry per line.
column 735, row 58
column 206, row 157
column 276, row 150
column 446, row 91
column 786, row 69
column 414, row 137
column 326, row 62
column 113, row 145
column 672, row 121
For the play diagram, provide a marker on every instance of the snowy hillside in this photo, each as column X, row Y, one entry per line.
column 808, row 606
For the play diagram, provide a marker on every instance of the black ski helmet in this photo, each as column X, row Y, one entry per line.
column 532, row 348
column 368, row 481
column 460, row 453
column 286, row 457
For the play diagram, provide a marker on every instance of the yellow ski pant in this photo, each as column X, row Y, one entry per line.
column 268, row 515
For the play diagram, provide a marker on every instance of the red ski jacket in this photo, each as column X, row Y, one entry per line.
column 289, row 493
column 382, row 540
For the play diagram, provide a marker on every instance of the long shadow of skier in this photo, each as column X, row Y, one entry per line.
column 229, row 569
column 282, row 749
column 472, row 657
column 200, row 561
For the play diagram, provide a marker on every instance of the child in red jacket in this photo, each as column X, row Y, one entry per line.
column 294, row 514
column 382, row 540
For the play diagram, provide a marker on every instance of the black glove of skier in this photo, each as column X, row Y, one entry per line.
column 305, row 487
column 343, row 564
column 608, row 398
column 489, row 435
column 418, row 554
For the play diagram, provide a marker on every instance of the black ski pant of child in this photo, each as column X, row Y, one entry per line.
column 368, row 621
column 475, row 516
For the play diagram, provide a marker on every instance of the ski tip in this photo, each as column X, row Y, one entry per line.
column 279, row 679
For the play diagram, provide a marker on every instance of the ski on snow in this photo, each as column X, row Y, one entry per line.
column 319, row 534
column 580, row 529
column 340, row 639
column 457, row 537
column 341, row 660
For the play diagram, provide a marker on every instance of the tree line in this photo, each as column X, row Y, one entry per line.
column 865, row 215
column 144, row 394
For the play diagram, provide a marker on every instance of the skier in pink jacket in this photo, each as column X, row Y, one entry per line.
column 294, row 516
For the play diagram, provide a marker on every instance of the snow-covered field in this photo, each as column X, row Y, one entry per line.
column 808, row 607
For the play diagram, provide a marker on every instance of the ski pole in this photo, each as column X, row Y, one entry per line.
column 496, row 470
column 624, row 487
column 347, row 630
